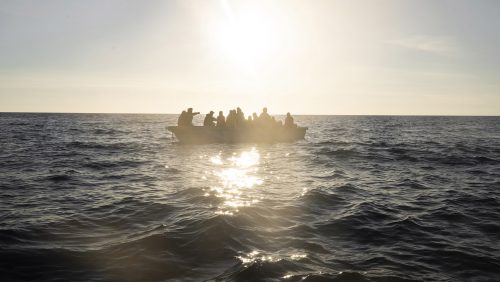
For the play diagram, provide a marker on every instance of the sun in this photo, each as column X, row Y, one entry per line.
column 247, row 39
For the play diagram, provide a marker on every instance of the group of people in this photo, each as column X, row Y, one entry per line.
column 186, row 118
column 235, row 119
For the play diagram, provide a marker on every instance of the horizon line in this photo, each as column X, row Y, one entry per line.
column 301, row 114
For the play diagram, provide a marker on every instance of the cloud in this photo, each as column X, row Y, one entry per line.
column 439, row 45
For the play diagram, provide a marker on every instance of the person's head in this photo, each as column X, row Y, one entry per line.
column 221, row 113
column 254, row 115
column 183, row 112
column 190, row 110
column 288, row 114
column 249, row 117
column 264, row 110
column 238, row 109
column 211, row 113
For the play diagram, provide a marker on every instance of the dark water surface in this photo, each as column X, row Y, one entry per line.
column 91, row 197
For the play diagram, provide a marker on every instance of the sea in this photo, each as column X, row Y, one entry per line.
column 115, row 197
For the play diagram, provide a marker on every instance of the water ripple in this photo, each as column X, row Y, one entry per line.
column 115, row 198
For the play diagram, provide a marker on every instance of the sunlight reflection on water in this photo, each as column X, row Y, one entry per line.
column 235, row 175
column 257, row 256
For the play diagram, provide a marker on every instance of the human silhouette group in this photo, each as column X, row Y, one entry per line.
column 236, row 119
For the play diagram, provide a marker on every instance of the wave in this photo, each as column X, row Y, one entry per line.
column 89, row 198
column 102, row 146
column 59, row 178
column 321, row 199
column 340, row 153
column 259, row 270
column 109, row 131
column 105, row 164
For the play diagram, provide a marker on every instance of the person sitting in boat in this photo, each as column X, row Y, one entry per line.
column 231, row 119
column 189, row 116
column 240, row 117
column 209, row 119
column 221, row 120
column 289, row 121
column 255, row 119
column 264, row 118
column 182, row 119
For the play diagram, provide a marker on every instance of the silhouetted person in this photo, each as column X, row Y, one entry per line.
column 231, row 119
column 289, row 120
column 255, row 118
column 181, row 121
column 240, row 117
column 190, row 115
column 209, row 119
column 265, row 118
column 221, row 120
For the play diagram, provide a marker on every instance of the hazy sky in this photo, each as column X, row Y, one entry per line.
column 310, row 57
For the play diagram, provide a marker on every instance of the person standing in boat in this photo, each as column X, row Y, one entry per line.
column 189, row 116
column 181, row 121
column 289, row 121
column 209, row 119
column 221, row 120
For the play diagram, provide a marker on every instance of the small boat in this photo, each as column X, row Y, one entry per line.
column 212, row 134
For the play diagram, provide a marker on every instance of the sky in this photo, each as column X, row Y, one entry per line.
column 371, row 57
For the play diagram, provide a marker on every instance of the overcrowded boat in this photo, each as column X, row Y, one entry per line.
column 236, row 129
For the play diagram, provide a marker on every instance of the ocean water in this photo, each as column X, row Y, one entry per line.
column 95, row 197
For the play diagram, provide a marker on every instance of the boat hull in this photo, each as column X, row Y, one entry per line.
column 205, row 134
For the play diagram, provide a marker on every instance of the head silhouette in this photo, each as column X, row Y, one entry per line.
column 190, row 110
column 264, row 110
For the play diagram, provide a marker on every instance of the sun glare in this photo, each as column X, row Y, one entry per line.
column 247, row 39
